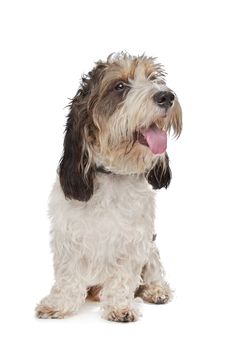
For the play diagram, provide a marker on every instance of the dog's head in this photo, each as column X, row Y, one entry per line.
column 119, row 121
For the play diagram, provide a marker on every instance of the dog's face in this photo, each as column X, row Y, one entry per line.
column 119, row 120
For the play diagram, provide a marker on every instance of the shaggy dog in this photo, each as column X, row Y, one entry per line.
column 102, row 205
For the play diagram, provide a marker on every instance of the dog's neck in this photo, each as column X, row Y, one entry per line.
column 101, row 169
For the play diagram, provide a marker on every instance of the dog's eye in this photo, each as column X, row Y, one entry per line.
column 120, row 86
column 153, row 77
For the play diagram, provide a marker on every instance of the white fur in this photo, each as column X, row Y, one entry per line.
column 107, row 241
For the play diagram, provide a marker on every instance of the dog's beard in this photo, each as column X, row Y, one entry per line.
column 134, row 154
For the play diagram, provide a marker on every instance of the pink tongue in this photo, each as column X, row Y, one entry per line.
column 156, row 139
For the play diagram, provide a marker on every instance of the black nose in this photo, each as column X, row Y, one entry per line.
column 164, row 98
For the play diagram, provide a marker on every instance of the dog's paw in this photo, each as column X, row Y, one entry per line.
column 122, row 315
column 44, row 311
column 155, row 293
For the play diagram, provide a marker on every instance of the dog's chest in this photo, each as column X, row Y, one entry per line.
column 121, row 206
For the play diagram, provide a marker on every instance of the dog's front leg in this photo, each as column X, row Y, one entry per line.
column 62, row 301
column 70, row 289
column 117, row 296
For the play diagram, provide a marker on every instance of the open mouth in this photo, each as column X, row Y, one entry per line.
column 154, row 138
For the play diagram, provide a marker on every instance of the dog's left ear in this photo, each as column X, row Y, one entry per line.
column 160, row 175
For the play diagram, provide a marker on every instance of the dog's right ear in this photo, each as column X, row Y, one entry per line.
column 75, row 171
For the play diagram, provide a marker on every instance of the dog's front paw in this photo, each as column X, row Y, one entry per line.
column 155, row 293
column 122, row 315
column 44, row 311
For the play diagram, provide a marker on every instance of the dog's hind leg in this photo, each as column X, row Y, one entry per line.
column 154, row 288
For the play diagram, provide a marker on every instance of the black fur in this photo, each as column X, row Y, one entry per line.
column 74, row 160
column 160, row 176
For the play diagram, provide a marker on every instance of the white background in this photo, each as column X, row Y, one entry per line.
column 45, row 47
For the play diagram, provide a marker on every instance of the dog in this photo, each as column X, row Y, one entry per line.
column 102, row 206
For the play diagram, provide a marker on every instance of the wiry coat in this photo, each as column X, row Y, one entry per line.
column 102, row 207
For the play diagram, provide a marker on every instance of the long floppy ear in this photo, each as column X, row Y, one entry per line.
column 160, row 176
column 75, row 171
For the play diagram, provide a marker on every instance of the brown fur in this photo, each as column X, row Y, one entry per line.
column 94, row 293
column 122, row 315
column 43, row 311
column 154, row 293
